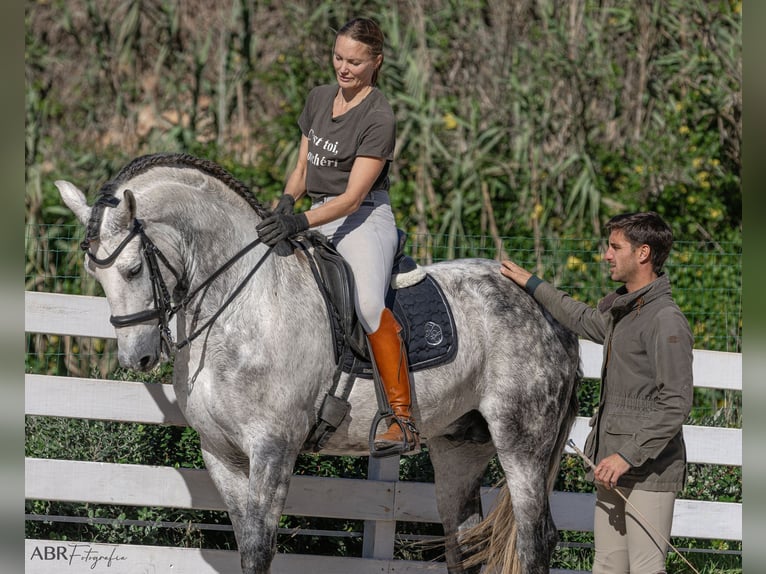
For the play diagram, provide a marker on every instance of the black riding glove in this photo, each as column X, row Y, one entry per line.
column 274, row 229
column 285, row 205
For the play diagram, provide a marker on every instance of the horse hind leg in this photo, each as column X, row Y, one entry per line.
column 459, row 466
column 524, row 499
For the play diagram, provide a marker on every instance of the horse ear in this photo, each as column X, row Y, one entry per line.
column 129, row 214
column 74, row 199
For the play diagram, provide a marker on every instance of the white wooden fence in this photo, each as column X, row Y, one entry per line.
column 380, row 501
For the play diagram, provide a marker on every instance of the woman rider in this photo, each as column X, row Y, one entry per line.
column 347, row 145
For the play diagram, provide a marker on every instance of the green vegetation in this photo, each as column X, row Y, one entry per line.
column 522, row 127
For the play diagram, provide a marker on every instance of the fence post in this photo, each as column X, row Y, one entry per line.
column 379, row 535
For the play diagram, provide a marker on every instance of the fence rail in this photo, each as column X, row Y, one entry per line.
column 379, row 501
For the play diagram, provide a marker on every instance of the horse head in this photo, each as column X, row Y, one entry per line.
column 122, row 258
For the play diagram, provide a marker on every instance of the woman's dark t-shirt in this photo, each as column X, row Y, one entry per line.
column 368, row 129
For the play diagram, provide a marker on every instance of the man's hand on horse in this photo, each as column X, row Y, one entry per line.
column 274, row 229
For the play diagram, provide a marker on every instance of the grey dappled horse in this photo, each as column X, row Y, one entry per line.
column 250, row 383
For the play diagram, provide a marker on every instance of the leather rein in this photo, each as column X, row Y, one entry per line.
column 164, row 309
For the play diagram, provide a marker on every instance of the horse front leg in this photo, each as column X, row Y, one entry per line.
column 271, row 465
column 254, row 493
column 231, row 482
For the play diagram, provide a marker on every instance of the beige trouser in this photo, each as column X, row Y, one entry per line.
column 625, row 544
column 367, row 239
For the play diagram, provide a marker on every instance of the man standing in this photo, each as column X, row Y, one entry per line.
column 636, row 439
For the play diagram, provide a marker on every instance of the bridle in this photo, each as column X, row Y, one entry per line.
column 164, row 309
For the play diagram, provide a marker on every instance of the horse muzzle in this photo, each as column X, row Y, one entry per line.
column 142, row 362
column 139, row 348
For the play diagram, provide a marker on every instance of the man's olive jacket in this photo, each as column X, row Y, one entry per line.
column 646, row 374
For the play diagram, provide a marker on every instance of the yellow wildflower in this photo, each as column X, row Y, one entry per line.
column 575, row 264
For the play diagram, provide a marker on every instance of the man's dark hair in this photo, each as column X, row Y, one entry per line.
column 645, row 228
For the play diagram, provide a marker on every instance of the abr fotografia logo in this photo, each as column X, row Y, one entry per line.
column 71, row 552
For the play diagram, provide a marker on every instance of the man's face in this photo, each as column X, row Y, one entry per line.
column 622, row 257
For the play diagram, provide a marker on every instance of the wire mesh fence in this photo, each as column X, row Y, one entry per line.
column 706, row 279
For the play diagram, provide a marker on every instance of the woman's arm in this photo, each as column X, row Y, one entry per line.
column 296, row 183
column 363, row 174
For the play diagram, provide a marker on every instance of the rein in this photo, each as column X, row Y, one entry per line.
column 164, row 310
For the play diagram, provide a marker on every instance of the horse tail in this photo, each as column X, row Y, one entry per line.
column 493, row 541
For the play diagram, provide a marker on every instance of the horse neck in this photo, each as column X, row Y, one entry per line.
column 279, row 305
column 217, row 235
column 211, row 239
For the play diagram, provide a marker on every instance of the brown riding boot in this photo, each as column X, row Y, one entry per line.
column 390, row 358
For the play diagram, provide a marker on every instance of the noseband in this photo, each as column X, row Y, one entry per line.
column 164, row 310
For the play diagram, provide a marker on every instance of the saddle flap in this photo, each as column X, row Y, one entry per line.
column 339, row 287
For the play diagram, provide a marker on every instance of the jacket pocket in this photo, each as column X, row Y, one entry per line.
column 625, row 423
column 620, row 430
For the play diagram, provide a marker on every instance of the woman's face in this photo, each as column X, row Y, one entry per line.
column 354, row 66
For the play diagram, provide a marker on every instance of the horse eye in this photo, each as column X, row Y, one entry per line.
column 134, row 271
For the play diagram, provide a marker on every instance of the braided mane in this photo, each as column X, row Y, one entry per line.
column 142, row 164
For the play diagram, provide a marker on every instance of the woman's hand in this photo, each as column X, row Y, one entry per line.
column 274, row 229
column 286, row 205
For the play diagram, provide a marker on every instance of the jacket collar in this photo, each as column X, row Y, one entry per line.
column 620, row 302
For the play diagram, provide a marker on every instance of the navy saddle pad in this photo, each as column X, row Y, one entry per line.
column 428, row 328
